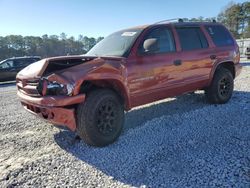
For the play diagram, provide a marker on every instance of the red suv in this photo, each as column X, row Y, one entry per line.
column 89, row 93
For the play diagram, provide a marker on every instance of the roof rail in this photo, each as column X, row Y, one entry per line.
column 212, row 20
column 170, row 20
column 180, row 20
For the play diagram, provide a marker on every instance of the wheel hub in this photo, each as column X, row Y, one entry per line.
column 105, row 118
column 224, row 86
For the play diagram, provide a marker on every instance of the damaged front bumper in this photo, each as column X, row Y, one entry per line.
column 55, row 109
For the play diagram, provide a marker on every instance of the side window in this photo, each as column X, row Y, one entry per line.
column 191, row 38
column 7, row 64
column 23, row 62
column 4, row 65
column 203, row 39
column 158, row 40
column 219, row 35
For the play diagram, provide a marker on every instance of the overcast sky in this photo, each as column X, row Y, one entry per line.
column 95, row 18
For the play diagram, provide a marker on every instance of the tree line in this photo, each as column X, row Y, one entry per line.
column 45, row 46
column 235, row 16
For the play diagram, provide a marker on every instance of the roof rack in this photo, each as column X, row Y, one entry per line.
column 180, row 20
column 170, row 20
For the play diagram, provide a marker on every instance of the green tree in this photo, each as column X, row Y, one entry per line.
column 236, row 18
column 245, row 19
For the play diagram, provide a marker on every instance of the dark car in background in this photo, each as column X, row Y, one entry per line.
column 10, row 67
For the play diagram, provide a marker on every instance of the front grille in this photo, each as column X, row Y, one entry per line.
column 28, row 87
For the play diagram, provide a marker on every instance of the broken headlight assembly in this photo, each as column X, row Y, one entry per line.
column 46, row 87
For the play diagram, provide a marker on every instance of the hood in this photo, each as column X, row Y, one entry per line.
column 34, row 70
column 60, row 64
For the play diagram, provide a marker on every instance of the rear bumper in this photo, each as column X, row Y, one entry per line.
column 238, row 68
column 53, row 109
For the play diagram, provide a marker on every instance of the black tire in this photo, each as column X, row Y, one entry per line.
column 100, row 118
column 221, row 89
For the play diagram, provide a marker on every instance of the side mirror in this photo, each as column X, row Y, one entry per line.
column 150, row 45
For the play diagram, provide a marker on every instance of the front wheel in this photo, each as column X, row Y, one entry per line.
column 100, row 118
column 221, row 89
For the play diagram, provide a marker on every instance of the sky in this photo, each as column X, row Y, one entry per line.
column 94, row 18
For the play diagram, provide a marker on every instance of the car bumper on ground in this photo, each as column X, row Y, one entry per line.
column 55, row 109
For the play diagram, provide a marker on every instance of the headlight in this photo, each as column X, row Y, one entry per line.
column 46, row 87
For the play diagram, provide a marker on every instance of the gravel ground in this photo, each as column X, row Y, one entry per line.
column 178, row 142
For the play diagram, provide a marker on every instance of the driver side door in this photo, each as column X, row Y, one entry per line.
column 154, row 69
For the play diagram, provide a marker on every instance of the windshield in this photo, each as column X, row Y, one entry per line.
column 116, row 44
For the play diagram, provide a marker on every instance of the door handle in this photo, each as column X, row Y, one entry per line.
column 213, row 57
column 177, row 62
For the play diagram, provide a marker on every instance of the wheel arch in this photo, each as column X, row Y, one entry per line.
column 115, row 85
column 229, row 65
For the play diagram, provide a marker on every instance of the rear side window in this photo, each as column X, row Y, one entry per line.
column 191, row 38
column 219, row 35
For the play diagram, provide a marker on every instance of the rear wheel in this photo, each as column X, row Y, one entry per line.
column 221, row 89
column 100, row 118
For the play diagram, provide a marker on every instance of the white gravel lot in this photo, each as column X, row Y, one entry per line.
column 177, row 142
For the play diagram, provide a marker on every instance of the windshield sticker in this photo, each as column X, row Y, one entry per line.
column 128, row 34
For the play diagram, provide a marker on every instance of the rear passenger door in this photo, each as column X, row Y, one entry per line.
column 194, row 56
